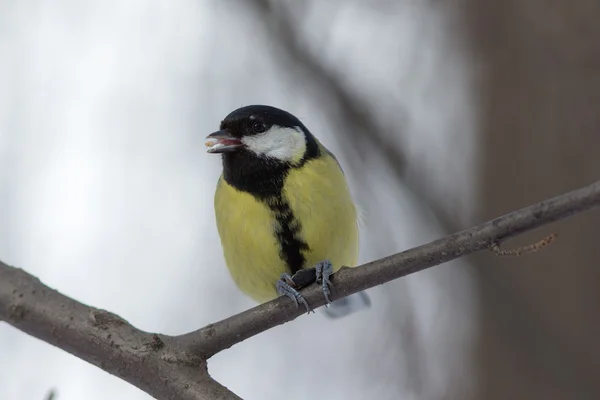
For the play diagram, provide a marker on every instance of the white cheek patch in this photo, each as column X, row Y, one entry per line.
column 286, row 144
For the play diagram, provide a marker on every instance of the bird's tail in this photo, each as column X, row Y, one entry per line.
column 347, row 305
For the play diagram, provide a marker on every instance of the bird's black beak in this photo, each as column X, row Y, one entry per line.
column 222, row 142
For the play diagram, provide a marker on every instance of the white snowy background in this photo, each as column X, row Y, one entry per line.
column 106, row 190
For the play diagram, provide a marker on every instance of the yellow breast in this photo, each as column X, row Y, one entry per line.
column 320, row 201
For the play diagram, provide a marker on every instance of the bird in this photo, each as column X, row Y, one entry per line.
column 282, row 207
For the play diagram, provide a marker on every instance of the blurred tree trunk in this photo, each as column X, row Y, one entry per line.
column 539, row 99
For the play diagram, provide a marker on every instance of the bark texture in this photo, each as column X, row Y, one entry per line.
column 539, row 98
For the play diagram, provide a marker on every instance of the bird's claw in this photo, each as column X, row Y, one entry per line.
column 285, row 287
column 323, row 271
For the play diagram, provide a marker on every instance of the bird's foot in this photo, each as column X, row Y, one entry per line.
column 287, row 287
column 323, row 271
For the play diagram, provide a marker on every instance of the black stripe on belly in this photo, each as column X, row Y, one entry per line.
column 288, row 234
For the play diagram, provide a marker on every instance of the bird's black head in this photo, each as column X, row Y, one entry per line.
column 260, row 144
column 265, row 131
column 257, row 119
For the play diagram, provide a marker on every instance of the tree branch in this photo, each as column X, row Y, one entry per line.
column 153, row 363
column 175, row 366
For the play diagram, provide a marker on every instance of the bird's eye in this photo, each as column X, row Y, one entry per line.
column 259, row 127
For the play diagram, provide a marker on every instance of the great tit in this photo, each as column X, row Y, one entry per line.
column 282, row 205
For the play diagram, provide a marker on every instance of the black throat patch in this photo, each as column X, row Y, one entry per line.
column 261, row 177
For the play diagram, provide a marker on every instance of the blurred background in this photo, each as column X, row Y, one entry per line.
column 443, row 113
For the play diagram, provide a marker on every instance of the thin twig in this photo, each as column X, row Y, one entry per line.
column 519, row 251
